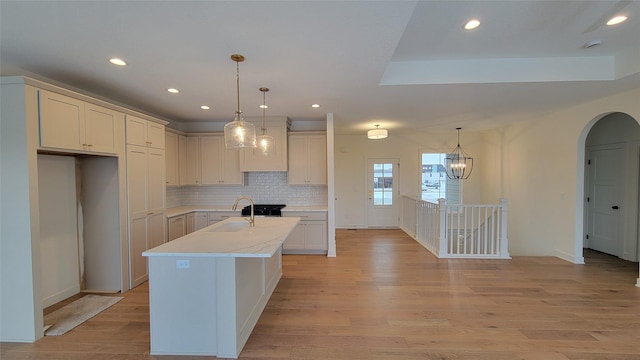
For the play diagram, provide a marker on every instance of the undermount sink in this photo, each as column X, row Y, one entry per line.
column 231, row 226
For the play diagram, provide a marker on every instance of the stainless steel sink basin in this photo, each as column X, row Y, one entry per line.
column 231, row 226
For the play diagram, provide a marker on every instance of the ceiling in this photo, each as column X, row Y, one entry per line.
column 406, row 65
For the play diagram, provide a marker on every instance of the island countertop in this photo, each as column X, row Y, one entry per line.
column 231, row 238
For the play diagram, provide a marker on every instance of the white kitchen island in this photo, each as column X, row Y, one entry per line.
column 207, row 289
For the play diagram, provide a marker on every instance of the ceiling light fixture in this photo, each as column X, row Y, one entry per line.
column 116, row 61
column 265, row 142
column 173, row 90
column 238, row 133
column 204, row 107
column 377, row 133
column 472, row 24
column 616, row 20
column 457, row 163
column 315, row 106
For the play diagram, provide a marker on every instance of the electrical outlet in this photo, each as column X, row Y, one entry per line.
column 183, row 264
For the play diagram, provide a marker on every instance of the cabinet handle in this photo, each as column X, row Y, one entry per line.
column 150, row 213
column 84, row 144
column 89, row 145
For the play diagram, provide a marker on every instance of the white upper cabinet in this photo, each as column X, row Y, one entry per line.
column 307, row 159
column 218, row 165
column 252, row 159
column 142, row 132
column 70, row 124
column 192, row 161
column 172, row 158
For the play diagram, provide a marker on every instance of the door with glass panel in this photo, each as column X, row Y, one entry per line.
column 382, row 193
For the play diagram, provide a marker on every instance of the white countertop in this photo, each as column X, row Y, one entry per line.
column 263, row 240
column 181, row 210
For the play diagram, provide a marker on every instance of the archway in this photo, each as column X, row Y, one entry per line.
column 610, row 204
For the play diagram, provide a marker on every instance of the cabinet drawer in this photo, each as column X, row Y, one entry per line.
column 307, row 216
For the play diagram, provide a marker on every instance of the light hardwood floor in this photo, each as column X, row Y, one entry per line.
column 385, row 297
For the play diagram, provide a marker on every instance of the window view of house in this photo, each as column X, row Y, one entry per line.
column 434, row 181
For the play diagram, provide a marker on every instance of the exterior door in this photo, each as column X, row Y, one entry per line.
column 382, row 193
column 603, row 202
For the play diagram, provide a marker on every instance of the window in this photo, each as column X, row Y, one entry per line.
column 434, row 181
column 383, row 184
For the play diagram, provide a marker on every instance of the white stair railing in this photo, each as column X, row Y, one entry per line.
column 457, row 231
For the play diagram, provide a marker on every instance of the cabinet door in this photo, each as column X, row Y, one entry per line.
column 100, row 128
column 182, row 160
column 316, row 235
column 138, row 244
column 317, row 160
column 193, row 160
column 155, row 135
column 155, row 180
column 156, row 231
column 190, row 223
column 231, row 174
column 61, row 121
column 200, row 221
column 137, row 180
column 177, row 227
column 298, row 167
column 136, row 131
column 211, row 159
column 295, row 241
column 171, row 158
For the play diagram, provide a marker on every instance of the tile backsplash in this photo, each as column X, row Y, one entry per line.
column 262, row 187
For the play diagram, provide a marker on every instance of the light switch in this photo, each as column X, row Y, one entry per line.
column 183, row 264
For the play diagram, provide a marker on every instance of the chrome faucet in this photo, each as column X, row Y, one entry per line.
column 252, row 220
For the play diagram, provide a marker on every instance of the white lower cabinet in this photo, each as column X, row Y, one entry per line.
column 309, row 236
column 177, row 227
column 217, row 216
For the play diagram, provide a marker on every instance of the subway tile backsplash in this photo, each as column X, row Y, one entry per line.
column 262, row 187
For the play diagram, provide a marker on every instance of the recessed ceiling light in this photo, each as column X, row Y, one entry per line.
column 263, row 106
column 315, row 105
column 204, row 107
column 173, row 91
column 472, row 24
column 616, row 20
column 116, row 61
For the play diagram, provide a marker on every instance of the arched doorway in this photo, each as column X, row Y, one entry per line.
column 612, row 186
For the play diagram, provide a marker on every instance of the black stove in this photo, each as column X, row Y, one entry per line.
column 263, row 210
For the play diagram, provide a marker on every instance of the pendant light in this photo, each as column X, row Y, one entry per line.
column 239, row 133
column 265, row 142
column 377, row 133
column 457, row 163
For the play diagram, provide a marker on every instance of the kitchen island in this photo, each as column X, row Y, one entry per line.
column 207, row 289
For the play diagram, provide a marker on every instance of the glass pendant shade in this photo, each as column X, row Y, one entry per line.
column 238, row 133
column 265, row 144
column 458, row 163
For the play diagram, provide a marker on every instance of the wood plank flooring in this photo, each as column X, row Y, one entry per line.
column 385, row 297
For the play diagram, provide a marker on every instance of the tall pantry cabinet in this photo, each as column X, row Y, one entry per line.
column 145, row 192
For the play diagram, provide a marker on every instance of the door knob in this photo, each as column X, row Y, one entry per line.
column 615, row 207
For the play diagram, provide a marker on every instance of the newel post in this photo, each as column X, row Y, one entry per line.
column 504, row 243
column 442, row 243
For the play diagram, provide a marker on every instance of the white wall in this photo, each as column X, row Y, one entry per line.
column 20, row 283
column 544, row 176
column 352, row 151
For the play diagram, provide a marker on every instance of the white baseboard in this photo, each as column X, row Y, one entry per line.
column 59, row 296
column 569, row 257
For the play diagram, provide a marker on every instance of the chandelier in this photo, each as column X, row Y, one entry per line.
column 239, row 133
column 457, row 163
column 265, row 142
